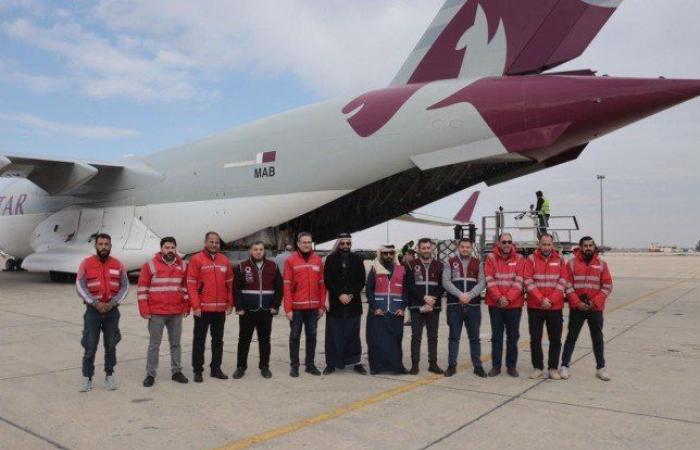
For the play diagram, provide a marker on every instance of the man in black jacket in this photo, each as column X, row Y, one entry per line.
column 344, row 276
column 258, row 294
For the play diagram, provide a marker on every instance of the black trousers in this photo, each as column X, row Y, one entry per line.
column 308, row 319
column 536, row 318
column 419, row 321
column 595, row 326
column 216, row 321
column 261, row 321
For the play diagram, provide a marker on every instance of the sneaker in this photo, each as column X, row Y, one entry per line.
column 434, row 368
column 265, row 372
column 480, row 372
column 148, row 381
column 513, row 372
column 554, row 374
column 217, row 373
column 359, row 368
column 313, row 370
column 179, row 378
column 87, row 385
column 495, row 371
column 451, row 370
column 198, row 377
column 328, row 370
column 414, row 369
column 110, row 383
column 564, row 372
column 238, row 374
column 294, row 372
column 536, row 374
column 602, row 374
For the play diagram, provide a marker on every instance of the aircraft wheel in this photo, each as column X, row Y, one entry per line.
column 9, row 265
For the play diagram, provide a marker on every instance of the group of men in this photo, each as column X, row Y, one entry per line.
column 301, row 283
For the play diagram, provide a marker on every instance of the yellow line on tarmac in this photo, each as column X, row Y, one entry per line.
column 384, row 395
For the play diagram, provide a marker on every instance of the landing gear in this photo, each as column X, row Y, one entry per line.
column 13, row 265
column 62, row 277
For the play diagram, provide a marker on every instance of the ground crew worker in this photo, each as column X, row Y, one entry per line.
column 542, row 209
column 163, row 301
column 425, row 297
column 504, row 296
column 545, row 282
column 258, row 292
column 210, row 287
column 304, row 301
column 387, row 298
column 344, row 278
column 463, row 280
column 589, row 285
column 102, row 284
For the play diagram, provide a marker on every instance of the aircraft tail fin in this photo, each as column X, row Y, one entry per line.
column 479, row 38
column 465, row 213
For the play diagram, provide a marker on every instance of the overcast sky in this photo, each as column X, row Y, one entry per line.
column 108, row 78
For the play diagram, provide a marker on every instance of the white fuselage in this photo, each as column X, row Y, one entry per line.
column 216, row 184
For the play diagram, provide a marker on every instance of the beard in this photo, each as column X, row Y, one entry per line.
column 587, row 256
column 103, row 254
column 169, row 257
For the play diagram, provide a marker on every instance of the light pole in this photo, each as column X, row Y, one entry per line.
column 602, row 239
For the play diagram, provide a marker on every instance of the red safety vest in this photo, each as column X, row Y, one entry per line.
column 303, row 283
column 103, row 280
column 545, row 278
column 388, row 293
column 162, row 287
column 504, row 277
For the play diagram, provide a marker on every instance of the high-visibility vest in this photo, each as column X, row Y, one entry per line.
column 545, row 207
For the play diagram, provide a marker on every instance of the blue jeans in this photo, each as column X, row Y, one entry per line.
column 507, row 320
column 308, row 318
column 108, row 324
column 468, row 316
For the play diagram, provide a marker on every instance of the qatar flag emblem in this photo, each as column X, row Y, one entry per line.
column 265, row 157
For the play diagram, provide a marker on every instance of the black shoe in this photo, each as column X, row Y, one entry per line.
column 328, row 370
column 148, row 381
column 179, row 377
column 373, row 372
column 414, row 369
column 294, row 372
column 198, row 377
column 451, row 370
column 402, row 371
column 359, row 368
column 434, row 368
column 238, row 374
column 513, row 372
column 265, row 372
column 495, row 371
column 479, row 372
column 217, row 373
column 313, row 370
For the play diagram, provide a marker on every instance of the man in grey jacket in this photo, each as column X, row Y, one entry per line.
column 463, row 280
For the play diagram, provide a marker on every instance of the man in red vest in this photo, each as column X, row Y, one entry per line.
column 210, row 287
column 589, row 283
column 163, row 301
column 102, row 284
column 503, row 269
column 545, row 280
column 304, row 301
column 258, row 293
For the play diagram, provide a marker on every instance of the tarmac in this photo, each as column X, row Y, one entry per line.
column 653, row 401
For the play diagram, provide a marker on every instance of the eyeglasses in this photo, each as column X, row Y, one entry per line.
column 506, row 242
